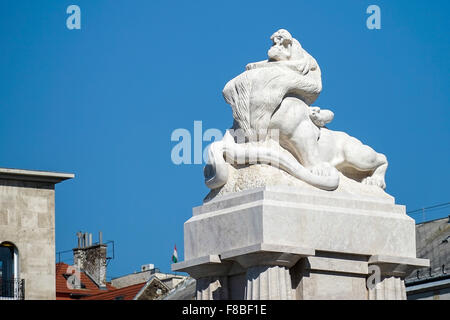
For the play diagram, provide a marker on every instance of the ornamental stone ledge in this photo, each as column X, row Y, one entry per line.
column 398, row 266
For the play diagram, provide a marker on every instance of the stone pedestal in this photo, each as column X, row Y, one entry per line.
column 287, row 243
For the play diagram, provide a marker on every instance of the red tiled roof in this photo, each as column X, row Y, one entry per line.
column 126, row 293
column 64, row 292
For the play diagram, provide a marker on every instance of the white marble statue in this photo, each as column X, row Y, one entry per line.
column 276, row 125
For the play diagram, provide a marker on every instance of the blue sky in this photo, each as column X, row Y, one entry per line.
column 102, row 101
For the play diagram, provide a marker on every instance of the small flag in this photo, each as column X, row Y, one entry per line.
column 175, row 255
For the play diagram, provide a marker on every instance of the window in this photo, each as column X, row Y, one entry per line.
column 9, row 269
column 7, row 261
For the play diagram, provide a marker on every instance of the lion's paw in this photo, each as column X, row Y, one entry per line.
column 322, row 169
column 375, row 181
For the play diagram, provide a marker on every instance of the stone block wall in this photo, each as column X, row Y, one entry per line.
column 27, row 219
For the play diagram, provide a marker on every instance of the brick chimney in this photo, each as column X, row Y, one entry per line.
column 91, row 258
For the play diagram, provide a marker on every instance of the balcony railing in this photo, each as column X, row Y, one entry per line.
column 13, row 289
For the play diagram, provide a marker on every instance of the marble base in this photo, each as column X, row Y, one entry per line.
column 287, row 243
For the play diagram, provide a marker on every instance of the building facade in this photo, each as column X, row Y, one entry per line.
column 432, row 241
column 27, row 233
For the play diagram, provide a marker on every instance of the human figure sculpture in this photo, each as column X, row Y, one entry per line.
column 275, row 95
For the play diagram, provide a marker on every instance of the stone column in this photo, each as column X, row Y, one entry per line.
column 267, row 269
column 389, row 288
column 388, row 276
column 210, row 274
column 268, row 283
column 212, row 288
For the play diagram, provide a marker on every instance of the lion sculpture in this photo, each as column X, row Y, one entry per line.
column 275, row 124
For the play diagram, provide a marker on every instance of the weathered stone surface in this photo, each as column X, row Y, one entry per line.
column 262, row 175
column 268, row 283
column 212, row 288
column 389, row 288
column 328, row 221
column 92, row 260
column 326, row 240
column 27, row 219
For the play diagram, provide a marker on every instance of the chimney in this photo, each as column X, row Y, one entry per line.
column 91, row 258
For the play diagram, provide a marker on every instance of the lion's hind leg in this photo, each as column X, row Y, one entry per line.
column 364, row 158
column 377, row 177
